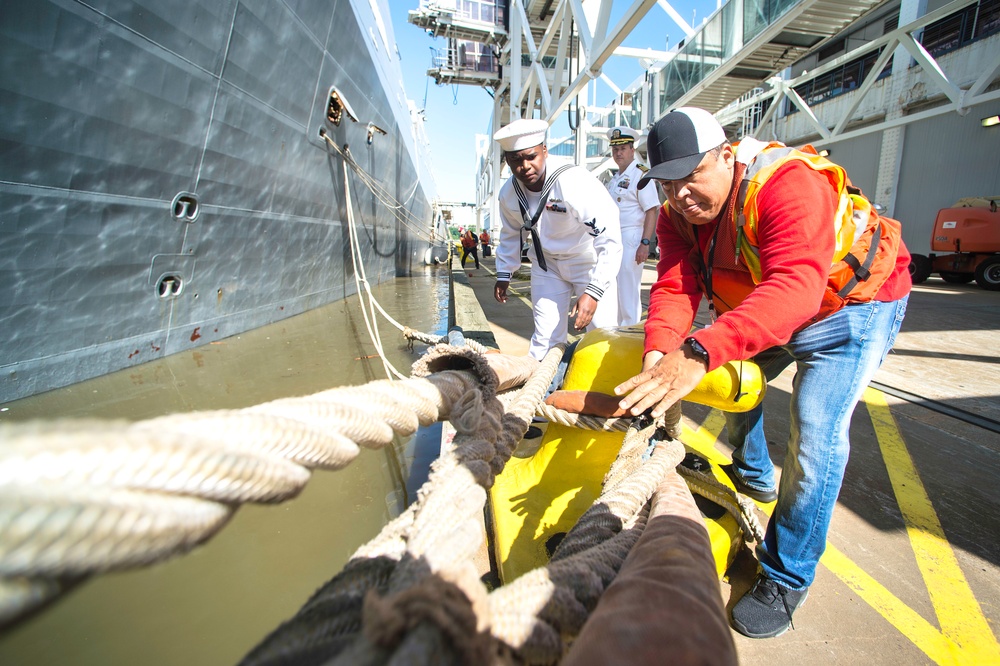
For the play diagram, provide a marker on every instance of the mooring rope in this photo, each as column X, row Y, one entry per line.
column 360, row 278
column 584, row 421
column 83, row 497
column 427, row 338
column 669, row 420
column 361, row 282
column 740, row 506
column 411, row 596
column 420, row 559
column 532, row 614
column 78, row 498
column 399, row 211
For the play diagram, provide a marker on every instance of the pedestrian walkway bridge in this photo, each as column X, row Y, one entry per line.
column 740, row 45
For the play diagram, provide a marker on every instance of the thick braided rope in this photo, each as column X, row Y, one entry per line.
column 260, row 454
column 418, row 563
column 739, row 506
column 629, row 460
column 79, row 497
column 584, row 421
column 706, row 485
column 449, row 498
column 429, row 339
column 670, row 420
column 530, row 614
column 18, row 594
column 623, row 495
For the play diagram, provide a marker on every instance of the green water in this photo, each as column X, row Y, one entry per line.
column 214, row 604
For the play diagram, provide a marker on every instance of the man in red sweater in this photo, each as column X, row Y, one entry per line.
column 796, row 267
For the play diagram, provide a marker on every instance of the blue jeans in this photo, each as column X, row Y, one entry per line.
column 835, row 359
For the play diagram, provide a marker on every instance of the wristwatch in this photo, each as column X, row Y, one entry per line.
column 645, row 241
column 697, row 350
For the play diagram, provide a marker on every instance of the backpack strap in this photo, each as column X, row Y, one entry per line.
column 861, row 268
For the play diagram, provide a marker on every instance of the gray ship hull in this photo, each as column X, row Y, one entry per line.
column 164, row 183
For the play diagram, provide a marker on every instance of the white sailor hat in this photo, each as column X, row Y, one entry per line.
column 622, row 135
column 521, row 134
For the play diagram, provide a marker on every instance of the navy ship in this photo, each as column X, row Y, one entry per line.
column 174, row 173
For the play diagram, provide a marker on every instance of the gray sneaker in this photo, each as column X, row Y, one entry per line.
column 766, row 610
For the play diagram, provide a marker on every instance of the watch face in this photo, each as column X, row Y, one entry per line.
column 645, row 241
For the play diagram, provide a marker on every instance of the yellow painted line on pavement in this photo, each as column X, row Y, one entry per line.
column 958, row 612
column 907, row 621
column 965, row 636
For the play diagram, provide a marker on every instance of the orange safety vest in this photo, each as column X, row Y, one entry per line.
column 866, row 243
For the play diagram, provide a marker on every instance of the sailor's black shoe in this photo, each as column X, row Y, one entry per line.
column 766, row 610
column 760, row 495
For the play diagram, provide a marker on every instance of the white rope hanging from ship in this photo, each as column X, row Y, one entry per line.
column 388, row 202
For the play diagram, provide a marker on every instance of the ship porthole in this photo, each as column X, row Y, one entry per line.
column 170, row 285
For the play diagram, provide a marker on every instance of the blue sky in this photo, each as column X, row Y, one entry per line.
column 455, row 114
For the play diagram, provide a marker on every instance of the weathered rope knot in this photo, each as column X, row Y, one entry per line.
column 447, row 357
column 467, row 412
column 388, row 620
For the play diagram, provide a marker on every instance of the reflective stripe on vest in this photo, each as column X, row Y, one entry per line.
column 866, row 244
column 853, row 214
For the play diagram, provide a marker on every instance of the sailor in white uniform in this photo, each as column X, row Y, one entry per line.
column 637, row 211
column 571, row 225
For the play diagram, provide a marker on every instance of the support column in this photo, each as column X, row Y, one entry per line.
column 580, row 134
column 893, row 139
column 495, row 165
column 514, row 68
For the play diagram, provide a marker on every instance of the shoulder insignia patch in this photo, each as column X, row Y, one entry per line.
column 643, row 168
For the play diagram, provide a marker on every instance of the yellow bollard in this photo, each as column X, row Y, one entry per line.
column 607, row 357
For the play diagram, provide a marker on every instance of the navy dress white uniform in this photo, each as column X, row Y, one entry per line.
column 638, row 224
column 578, row 232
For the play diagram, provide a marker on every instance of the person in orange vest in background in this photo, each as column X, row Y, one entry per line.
column 797, row 267
column 484, row 239
column 469, row 247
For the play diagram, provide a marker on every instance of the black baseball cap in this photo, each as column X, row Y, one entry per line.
column 678, row 142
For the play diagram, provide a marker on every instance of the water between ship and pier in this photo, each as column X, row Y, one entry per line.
column 214, row 604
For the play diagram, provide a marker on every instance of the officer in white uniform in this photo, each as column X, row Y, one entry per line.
column 638, row 210
column 571, row 225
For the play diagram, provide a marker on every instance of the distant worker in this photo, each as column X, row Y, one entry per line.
column 575, row 247
column 637, row 210
column 779, row 242
column 469, row 247
column 484, row 239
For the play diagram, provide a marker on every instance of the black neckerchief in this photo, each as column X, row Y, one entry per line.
column 530, row 222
